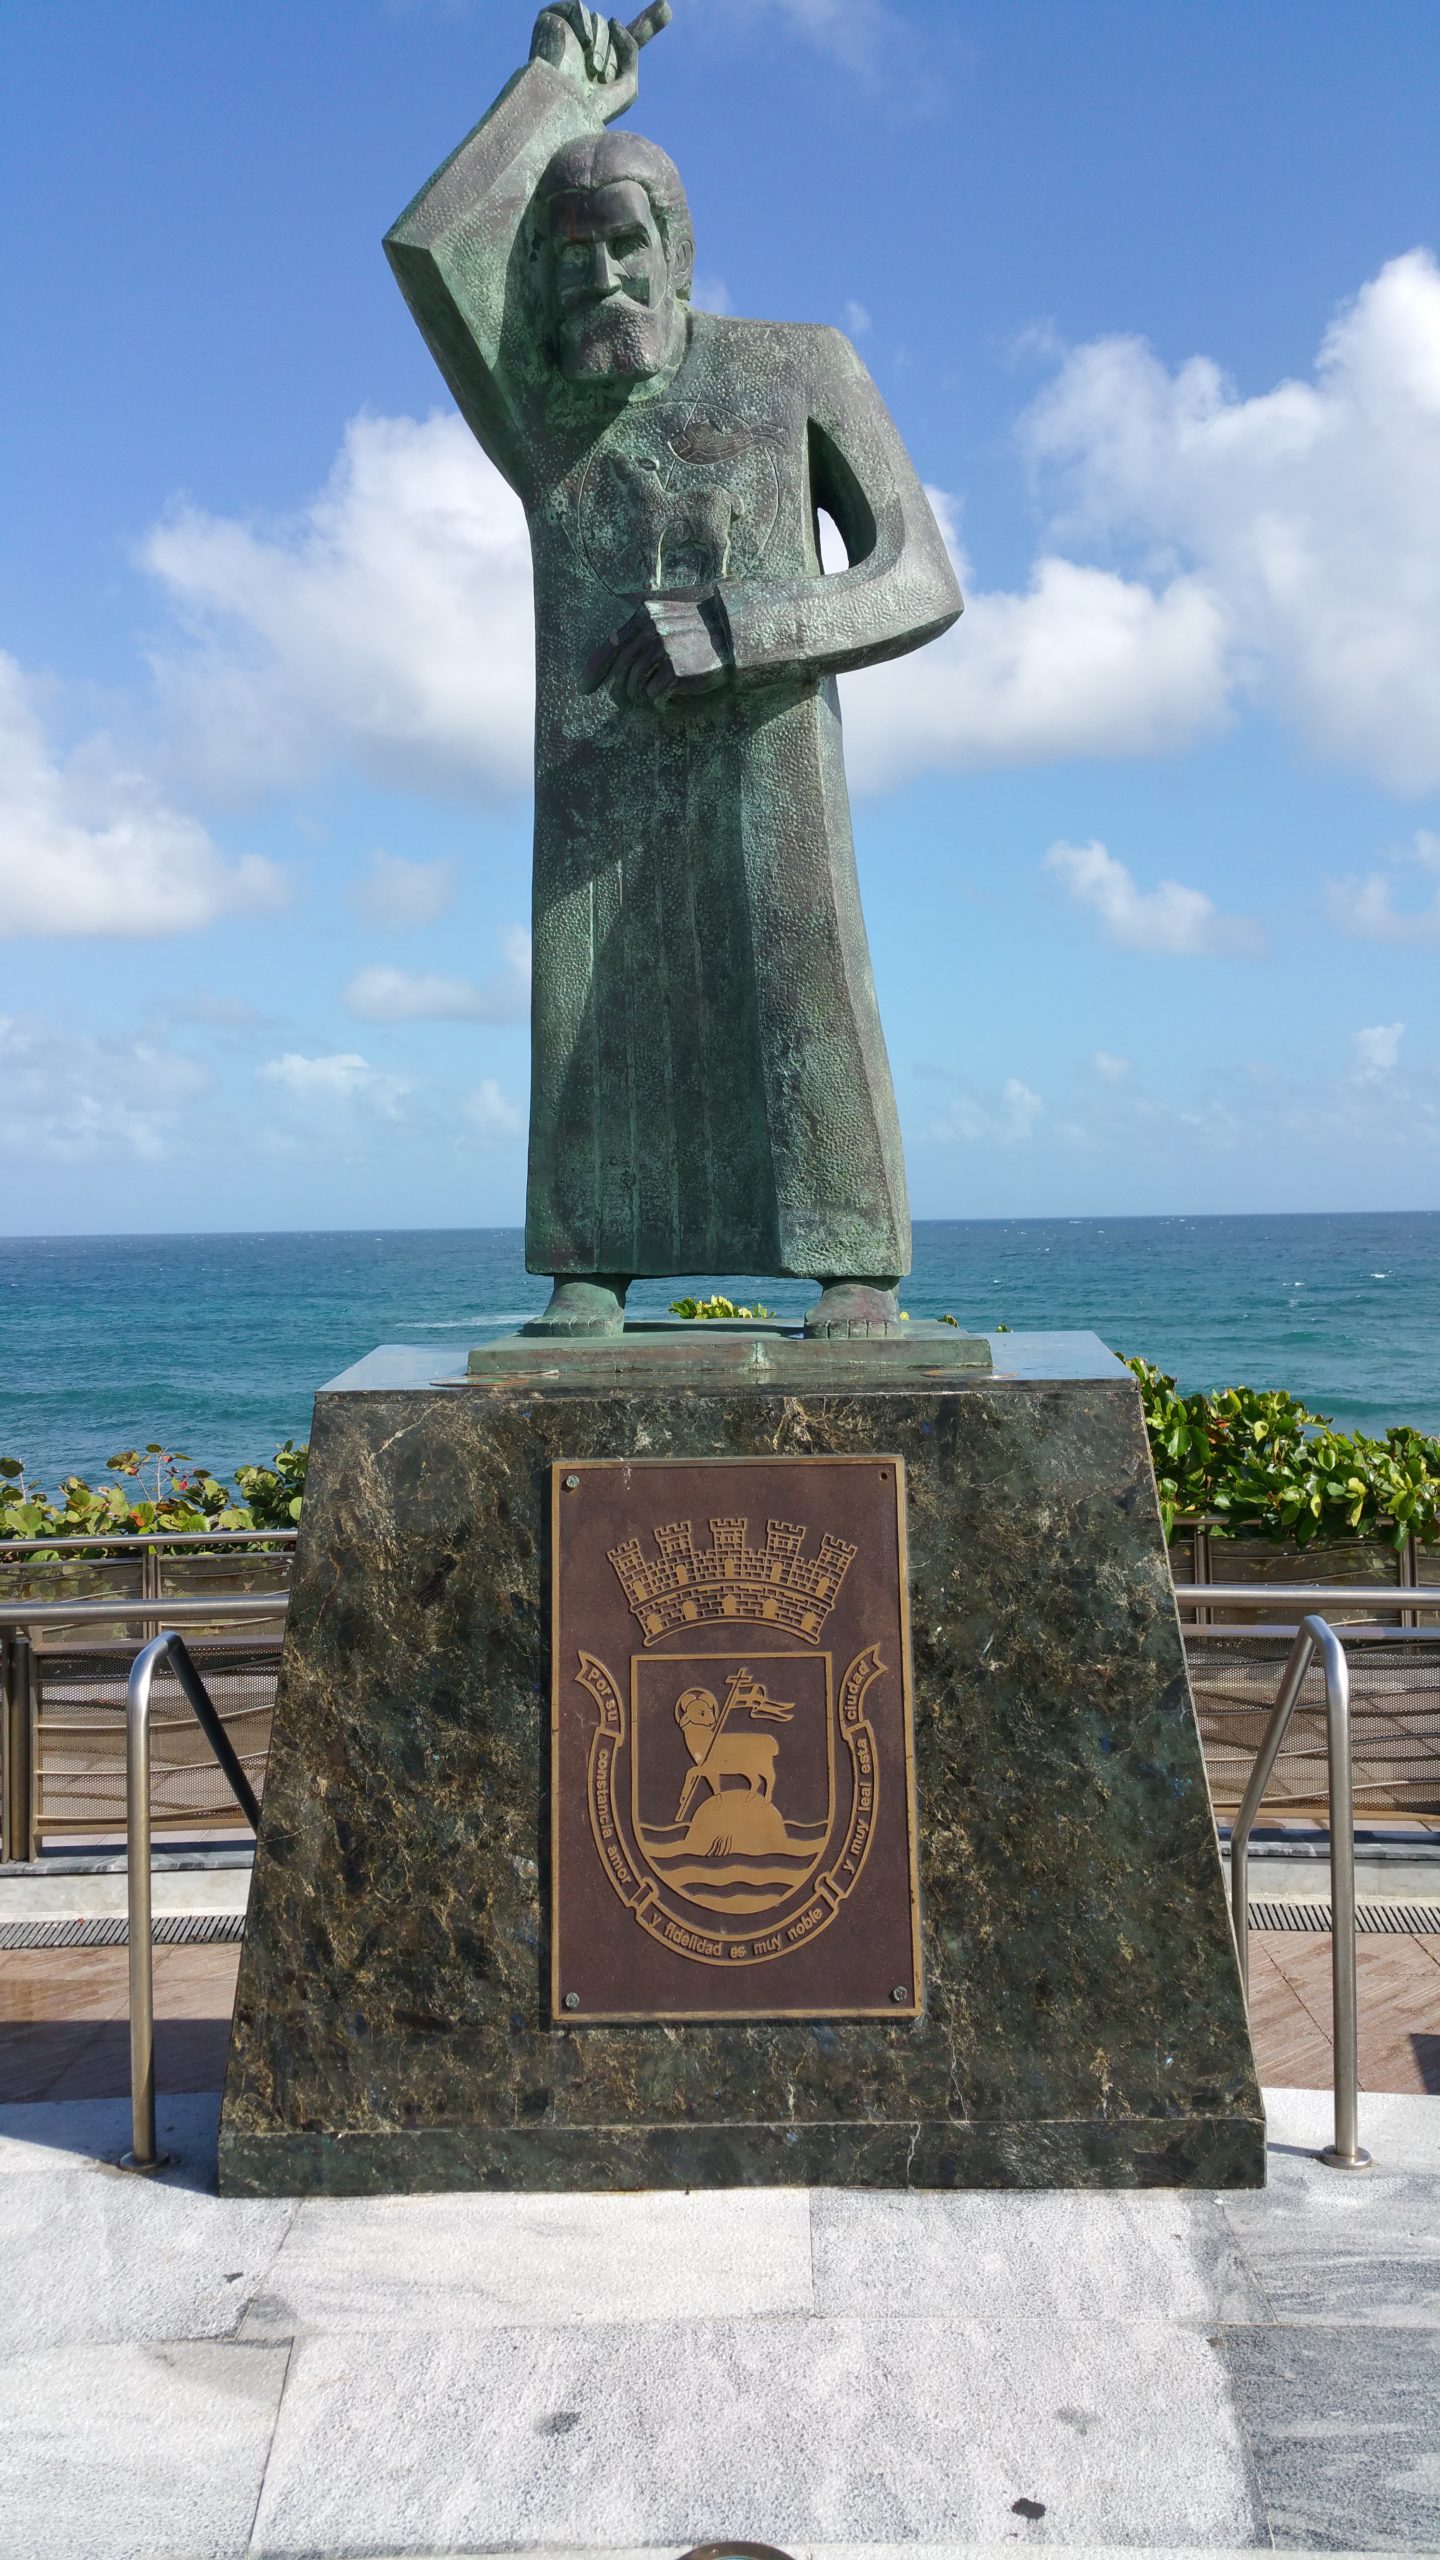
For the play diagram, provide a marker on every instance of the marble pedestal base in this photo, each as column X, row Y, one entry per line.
column 1083, row 2023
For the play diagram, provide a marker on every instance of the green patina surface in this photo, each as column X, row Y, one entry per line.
column 1083, row 2023
column 710, row 1086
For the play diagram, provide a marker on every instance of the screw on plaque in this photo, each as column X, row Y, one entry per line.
column 572, row 1484
column 901, row 1991
column 572, row 2000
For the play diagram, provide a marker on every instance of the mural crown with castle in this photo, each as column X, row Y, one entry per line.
column 775, row 1586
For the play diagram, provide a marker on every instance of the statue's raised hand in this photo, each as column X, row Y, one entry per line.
column 601, row 55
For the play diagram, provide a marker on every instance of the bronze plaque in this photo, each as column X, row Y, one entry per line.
column 733, row 1814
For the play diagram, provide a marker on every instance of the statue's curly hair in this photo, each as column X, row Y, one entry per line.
column 604, row 159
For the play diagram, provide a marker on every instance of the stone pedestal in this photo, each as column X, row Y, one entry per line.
column 1082, row 2023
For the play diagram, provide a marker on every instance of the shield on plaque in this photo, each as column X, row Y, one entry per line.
column 732, row 1775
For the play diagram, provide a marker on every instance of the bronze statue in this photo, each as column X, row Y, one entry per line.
column 711, row 1092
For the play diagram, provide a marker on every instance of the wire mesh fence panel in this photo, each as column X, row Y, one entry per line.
column 80, row 1735
column 1371, row 1562
column 60, row 1576
column 1394, row 1717
column 192, row 1576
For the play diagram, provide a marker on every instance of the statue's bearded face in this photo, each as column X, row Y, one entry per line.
column 615, row 301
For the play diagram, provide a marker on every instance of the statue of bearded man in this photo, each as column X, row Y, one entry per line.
column 710, row 1090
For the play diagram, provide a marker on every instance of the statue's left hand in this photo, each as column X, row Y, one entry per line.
column 598, row 53
column 671, row 646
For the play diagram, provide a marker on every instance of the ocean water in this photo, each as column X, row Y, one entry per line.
column 215, row 1344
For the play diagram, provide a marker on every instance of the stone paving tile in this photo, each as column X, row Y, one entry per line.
column 1292, row 2050
column 136, row 2452
column 450, row 2262
column 62, row 1982
column 772, row 2430
column 91, row 2133
column 1398, row 2002
column 1030, row 2257
column 142, row 2258
column 1343, row 2426
column 64, row 2012
column 57, row 2061
column 1338, row 2247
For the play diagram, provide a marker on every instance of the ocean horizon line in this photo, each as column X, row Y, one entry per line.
column 1030, row 1218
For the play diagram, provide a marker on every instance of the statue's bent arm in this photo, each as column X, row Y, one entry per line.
column 899, row 590
column 453, row 252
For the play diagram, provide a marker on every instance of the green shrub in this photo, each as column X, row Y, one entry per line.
column 706, row 1310
column 1257, row 1463
column 174, row 1495
column 1253, row 1461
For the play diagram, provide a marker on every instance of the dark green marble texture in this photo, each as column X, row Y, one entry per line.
column 1084, row 2024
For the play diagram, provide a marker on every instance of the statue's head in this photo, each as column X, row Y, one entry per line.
column 621, row 254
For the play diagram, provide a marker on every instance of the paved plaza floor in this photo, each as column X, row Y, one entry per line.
column 186, row 2376
column 843, row 2374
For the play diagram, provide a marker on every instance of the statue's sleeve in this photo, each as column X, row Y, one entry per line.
column 457, row 253
column 899, row 589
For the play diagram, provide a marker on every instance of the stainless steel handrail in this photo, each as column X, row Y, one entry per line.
column 187, row 1612
column 167, row 1646
column 1315, row 1636
column 140, row 1539
column 1307, row 1595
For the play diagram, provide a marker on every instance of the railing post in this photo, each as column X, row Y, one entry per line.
column 17, row 1668
column 142, row 2154
column 1203, row 1569
column 150, row 1586
column 1408, row 1574
column 1344, row 2152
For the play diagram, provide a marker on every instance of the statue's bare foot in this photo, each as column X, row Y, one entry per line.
column 593, row 1306
column 854, row 1307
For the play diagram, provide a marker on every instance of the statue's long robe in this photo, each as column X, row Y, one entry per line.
column 710, row 1086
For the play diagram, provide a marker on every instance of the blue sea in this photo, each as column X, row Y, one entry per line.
column 214, row 1345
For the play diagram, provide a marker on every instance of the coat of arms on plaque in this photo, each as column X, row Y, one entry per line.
column 733, row 1825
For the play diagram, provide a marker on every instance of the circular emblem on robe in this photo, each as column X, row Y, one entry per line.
column 671, row 501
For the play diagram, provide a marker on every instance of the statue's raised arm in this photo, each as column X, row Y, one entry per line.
column 459, row 250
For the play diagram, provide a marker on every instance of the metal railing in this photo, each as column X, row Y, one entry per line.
column 168, row 1647
column 1393, row 1658
column 126, row 1542
column 1402, row 1600
column 1313, row 1637
column 19, row 1669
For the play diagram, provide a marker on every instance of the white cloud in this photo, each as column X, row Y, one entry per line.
column 1358, row 1111
column 489, row 1109
column 397, row 995
column 1366, row 908
column 1110, row 1069
column 858, row 36
column 387, row 626
column 71, row 1097
column 1005, row 1119
column 1085, row 663
column 1171, row 918
column 711, row 293
column 1311, row 513
column 91, row 847
column 397, row 894
column 342, row 1079
column 857, row 319
column 1376, row 1052
column 1201, row 552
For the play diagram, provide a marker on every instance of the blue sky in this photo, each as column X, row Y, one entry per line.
column 1150, row 844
